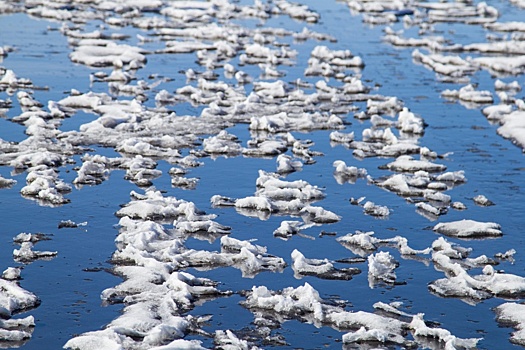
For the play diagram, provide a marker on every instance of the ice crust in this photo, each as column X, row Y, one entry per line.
column 156, row 292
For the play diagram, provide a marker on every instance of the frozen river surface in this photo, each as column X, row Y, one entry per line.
column 267, row 174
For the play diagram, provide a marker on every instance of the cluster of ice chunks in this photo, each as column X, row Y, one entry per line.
column 305, row 304
column 123, row 120
column 16, row 331
column 501, row 55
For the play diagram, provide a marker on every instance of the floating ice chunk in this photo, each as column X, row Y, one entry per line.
column 404, row 249
column 370, row 208
column 88, row 100
column 91, row 173
column 253, row 202
column 283, row 122
column 513, row 314
column 497, row 112
column 285, row 164
column 362, row 335
column 109, row 55
column 454, row 177
column 430, row 209
column 298, row 11
column 363, row 240
column 11, row 273
column 408, row 122
column 381, row 267
column 221, row 201
column 246, row 257
column 290, row 301
column 469, row 94
column 14, row 298
column 318, row 215
column 10, row 80
column 303, row 266
column 44, row 185
column 105, row 339
column 208, row 226
column 153, row 205
column 288, row 229
column 6, row 183
column 16, row 330
column 450, row 250
column 437, row 196
column 339, row 137
column 34, row 158
column 482, row 200
column 229, row 341
column 406, row 163
column 385, row 105
column 344, row 173
column 420, row 329
column 502, row 86
column 275, row 189
column 458, row 206
column 181, row 344
column 140, row 170
column 26, row 101
column 399, row 183
column 229, row 244
column 513, row 127
column 26, row 253
column 266, row 148
column 508, row 255
column 223, row 143
column 70, row 224
column 384, row 136
column 469, row 229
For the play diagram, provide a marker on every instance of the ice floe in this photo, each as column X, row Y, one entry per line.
column 512, row 314
column 381, row 268
column 469, row 229
column 320, row 268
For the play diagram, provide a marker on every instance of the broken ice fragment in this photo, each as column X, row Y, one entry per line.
column 469, row 229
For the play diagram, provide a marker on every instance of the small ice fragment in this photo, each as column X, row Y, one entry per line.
column 285, row 164
column 228, row 340
column 482, row 201
column 406, row 163
column 363, row 240
column 458, row 206
column 508, row 255
column 420, row 329
column 370, row 208
column 70, row 224
column 381, row 267
column 26, row 253
column 287, row 229
column 344, row 170
column 6, row 183
column 320, row 268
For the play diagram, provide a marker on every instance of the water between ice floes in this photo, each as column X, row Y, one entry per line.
column 69, row 285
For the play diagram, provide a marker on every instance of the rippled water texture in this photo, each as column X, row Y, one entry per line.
column 151, row 142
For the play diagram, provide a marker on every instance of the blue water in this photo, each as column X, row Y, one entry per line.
column 69, row 285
